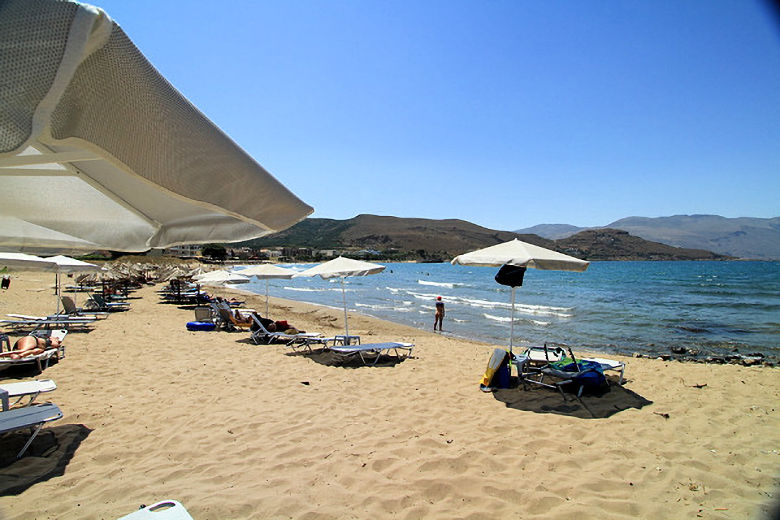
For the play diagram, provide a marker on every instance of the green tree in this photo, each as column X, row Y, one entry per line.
column 215, row 251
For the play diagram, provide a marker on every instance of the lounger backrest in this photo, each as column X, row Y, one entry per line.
column 5, row 343
column 69, row 305
column 260, row 326
column 203, row 314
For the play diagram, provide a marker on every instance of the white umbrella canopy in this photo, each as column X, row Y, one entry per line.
column 220, row 277
column 266, row 272
column 341, row 267
column 519, row 253
column 66, row 264
column 24, row 261
column 98, row 150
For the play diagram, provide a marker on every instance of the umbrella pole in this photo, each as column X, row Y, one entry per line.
column 344, row 299
column 57, row 289
column 512, row 324
column 266, row 298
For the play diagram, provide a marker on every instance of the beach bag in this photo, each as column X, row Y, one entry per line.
column 497, row 371
column 511, row 275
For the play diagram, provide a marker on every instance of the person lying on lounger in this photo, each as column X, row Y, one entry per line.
column 31, row 346
column 275, row 326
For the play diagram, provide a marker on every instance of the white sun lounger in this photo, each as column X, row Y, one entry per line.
column 374, row 350
column 164, row 510
column 47, row 323
column 27, row 389
column 263, row 335
column 34, row 417
column 42, row 359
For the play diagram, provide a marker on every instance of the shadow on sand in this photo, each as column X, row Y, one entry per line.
column 596, row 405
column 47, row 456
column 328, row 358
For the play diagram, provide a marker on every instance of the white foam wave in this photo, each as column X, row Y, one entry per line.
column 506, row 319
column 437, row 284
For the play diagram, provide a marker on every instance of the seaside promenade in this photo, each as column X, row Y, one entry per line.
column 236, row 430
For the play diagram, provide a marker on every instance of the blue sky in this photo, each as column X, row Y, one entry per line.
column 503, row 113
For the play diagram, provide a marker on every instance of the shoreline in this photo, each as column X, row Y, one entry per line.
column 684, row 356
column 236, row 430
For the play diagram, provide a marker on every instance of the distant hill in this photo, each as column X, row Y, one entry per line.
column 616, row 244
column 552, row 231
column 744, row 237
column 440, row 237
column 444, row 239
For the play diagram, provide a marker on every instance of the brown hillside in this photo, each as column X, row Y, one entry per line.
column 614, row 244
column 448, row 237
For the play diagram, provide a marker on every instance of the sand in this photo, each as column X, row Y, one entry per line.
column 236, row 430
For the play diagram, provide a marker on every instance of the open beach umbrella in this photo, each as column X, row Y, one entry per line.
column 266, row 272
column 220, row 277
column 66, row 264
column 341, row 268
column 99, row 151
column 520, row 254
column 23, row 261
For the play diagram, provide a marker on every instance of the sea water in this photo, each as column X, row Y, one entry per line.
column 623, row 307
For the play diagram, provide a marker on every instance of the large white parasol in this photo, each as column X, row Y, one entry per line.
column 341, row 268
column 266, row 272
column 219, row 278
column 66, row 264
column 24, row 261
column 519, row 253
column 98, row 150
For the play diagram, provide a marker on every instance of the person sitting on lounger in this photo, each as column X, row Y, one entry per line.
column 31, row 346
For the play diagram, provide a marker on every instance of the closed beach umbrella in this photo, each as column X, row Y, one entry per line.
column 519, row 254
column 341, row 268
column 266, row 272
column 98, row 150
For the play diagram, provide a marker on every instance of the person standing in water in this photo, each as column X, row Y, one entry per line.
column 439, row 317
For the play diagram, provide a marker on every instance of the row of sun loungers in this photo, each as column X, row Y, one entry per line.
column 18, row 410
column 346, row 347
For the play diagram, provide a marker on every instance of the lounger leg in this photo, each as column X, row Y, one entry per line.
column 29, row 441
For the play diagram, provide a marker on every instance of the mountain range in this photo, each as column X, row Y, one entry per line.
column 428, row 239
column 743, row 237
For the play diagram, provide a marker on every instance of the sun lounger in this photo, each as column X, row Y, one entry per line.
column 41, row 360
column 373, row 350
column 26, row 389
column 70, row 309
column 547, row 353
column 263, row 336
column 227, row 320
column 165, row 510
column 47, row 323
column 34, row 417
column 97, row 302
column 581, row 374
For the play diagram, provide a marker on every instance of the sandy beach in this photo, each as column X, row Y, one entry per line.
column 235, row 430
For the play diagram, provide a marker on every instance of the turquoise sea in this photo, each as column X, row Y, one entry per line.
column 623, row 307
